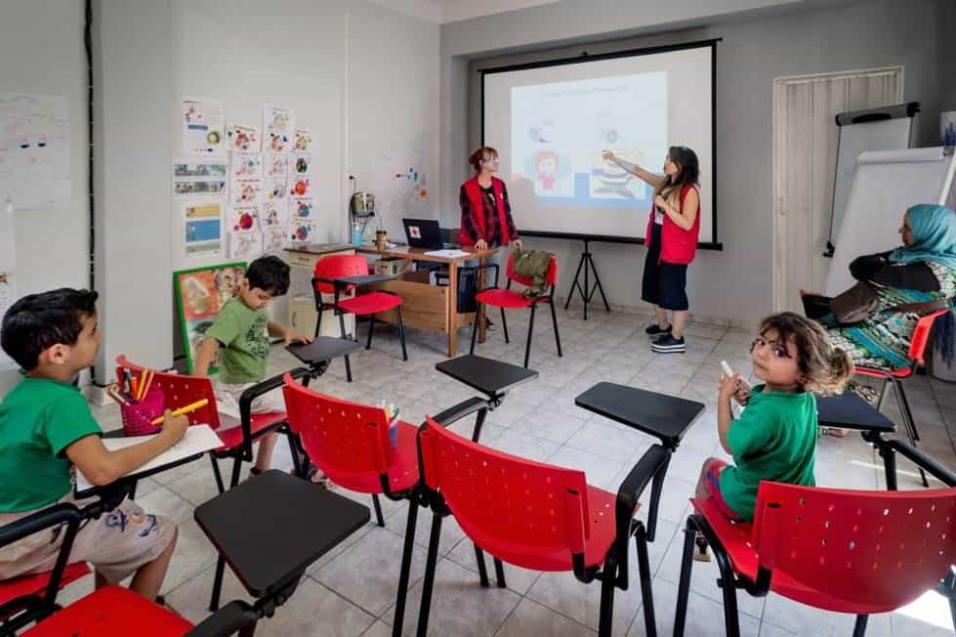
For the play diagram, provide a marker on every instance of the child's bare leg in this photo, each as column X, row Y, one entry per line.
column 703, row 486
column 661, row 316
column 99, row 580
column 267, row 445
column 149, row 578
column 680, row 320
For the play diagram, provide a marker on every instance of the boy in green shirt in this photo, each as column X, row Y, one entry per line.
column 242, row 329
column 775, row 437
column 46, row 429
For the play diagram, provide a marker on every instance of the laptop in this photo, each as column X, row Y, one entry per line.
column 424, row 233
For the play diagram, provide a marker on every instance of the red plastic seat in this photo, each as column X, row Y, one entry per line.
column 35, row 584
column 859, row 552
column 536, row 516
column 112, row 611
column 513, row 300
column 337, row 266
column 917, row 355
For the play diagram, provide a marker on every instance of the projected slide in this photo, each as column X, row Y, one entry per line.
column 559, row 130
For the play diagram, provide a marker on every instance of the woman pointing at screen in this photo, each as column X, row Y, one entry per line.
column 671, row 239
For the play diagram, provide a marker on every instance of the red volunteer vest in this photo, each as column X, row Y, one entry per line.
column 477, row 210
column 677, row 245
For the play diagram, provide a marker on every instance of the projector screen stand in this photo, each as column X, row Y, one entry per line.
column 587, row 290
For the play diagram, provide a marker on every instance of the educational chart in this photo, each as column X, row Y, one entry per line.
column 203, row 126
column 34, row 151
column 560, row 129
column 202, row 228
column 200, row 294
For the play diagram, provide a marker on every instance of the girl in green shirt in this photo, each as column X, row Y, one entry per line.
column 775, row 436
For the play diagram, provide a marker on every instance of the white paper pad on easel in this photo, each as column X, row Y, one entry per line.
column 448, row 254
column 198, row 439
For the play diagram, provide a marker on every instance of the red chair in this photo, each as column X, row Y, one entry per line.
column 336, row 266
column 859, row 552
column 536, row 516
column 894, row 378
column 512, row 300
column 110, row 611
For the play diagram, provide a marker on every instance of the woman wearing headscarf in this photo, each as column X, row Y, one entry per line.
column 921, row 273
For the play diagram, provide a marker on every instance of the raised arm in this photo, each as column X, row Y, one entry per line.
column 655, row 181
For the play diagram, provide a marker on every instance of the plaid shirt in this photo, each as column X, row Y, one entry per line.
column 490, row 212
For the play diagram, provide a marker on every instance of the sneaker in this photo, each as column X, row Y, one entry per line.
column 667, row 344
column 655, row 330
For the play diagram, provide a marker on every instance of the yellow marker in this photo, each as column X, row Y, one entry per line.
column 199, row 404
column 146, row 380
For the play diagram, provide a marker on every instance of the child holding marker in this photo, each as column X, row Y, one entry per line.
column 775, row 436
column 46, row 429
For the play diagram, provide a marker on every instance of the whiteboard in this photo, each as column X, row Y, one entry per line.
column 888, row 134
column 886, row 184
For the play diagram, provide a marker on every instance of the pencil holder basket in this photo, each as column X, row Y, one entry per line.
column 138, row 417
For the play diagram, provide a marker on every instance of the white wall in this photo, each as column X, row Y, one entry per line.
column 736, row 283
column 41, row 56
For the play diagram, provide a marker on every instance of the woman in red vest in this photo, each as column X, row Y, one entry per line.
column 485, row 210
column 671, row 239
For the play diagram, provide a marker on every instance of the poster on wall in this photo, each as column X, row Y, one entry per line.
column 200, row 294
column 302, row 140
column 242, row 139
column 202, row 228
column 34, row 151
column 197, row 177
column 203, row 126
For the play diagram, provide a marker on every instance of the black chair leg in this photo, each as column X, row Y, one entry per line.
column 554, row 322
column 908, row 422
column 504, row 326
column 236, row 466
column 683, row 586
column 217, row 474
column 298, row 467
column 657, row 487
column 474, row 328
column 859, row 627
column 729, row 589
column 318, row 321
column 429, row 582
column 401, row 331
column 606, row 619
column 371, row 328
column 399, row 618
column 217, row 584
column 644, row 569
column 500, row 573
column 379, row 519
column 348, row 363
column 527, row 347
column 482, row 567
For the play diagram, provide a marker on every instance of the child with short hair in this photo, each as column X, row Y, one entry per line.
column 775, row 436
column 242, row 329
column 46, row 429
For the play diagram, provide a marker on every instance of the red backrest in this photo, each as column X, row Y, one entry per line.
column 921, row 336
column 348, row 441
column 180, row 390
column 506, row 504
column 882, row 549
column 339, row 265
column 551, row 277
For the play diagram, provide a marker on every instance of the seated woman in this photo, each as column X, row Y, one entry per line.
column 920, row 272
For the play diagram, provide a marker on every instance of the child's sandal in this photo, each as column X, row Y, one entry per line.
column 701, row 549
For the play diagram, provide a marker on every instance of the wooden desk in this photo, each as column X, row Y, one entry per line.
column 431, row 307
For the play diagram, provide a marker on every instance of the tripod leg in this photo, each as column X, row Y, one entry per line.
column 574, row 285
column 598, row 286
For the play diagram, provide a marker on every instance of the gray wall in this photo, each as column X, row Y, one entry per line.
column 946, row 40
column 734, row 284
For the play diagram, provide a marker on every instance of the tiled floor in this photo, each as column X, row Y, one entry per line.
column 351, row 591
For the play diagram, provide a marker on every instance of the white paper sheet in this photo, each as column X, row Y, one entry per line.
column 198, row 439
column 448, row 254
column 34, row 151
column 203, row 126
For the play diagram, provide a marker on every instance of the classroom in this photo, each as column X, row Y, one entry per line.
column 477, row 317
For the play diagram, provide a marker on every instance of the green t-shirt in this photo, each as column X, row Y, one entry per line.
column 774, row 439
column 245, row 344
column 39, row 419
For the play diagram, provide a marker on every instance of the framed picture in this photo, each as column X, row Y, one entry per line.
column 200, row 294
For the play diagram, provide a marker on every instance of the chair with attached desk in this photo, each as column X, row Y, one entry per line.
column 513, row 300
column 340, row 273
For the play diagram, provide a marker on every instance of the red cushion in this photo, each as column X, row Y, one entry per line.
column 36, row 584
column 507, row 298
column 371, row 303
column 736, row 538
column 232, row 437
column 402, row 473
column 112, row 611
column 601, row 508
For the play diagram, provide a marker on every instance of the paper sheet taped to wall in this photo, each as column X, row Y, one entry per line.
column 34, row 151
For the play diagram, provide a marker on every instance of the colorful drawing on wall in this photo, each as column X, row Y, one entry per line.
column 302, row 140
column 245, row 193
column 200, row 294
column 203, row 126
column 301, row 231
column 302, row 163
column 301, row 209
column 245, row 166
column 275, row 165
column 242, row 139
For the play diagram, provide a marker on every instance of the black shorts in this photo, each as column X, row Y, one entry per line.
column 664, row 284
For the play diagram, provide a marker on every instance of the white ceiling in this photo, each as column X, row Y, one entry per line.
column 442, row 11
